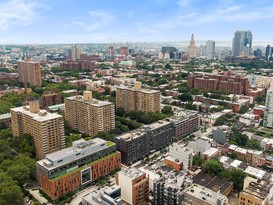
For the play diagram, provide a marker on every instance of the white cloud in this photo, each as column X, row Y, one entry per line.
column 95, row 20
column 19, row 12
column 183, row 3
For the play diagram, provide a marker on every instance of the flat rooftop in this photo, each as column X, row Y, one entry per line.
column 41, row 116
column 142, row 130
column 132, row 173
column 80, row 148
column 93, row 102
column 5, row 116
column 141, row 90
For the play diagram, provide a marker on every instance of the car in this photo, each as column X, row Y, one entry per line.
column 27, row 199
column 30, row 202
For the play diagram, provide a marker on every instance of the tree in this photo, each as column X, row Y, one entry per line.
column 243, row 109
column 213, row 167
column 197, row 161
column 124, row 128
column 185, row 97
column 167, row 110
column 253, row 144
column 19, row 173
column 10, row 192
column 120, row 111
column 237, row 176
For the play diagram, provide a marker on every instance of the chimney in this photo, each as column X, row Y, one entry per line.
column 138, row 85
column 34, row 106
column 87, row 95
column 28, row 58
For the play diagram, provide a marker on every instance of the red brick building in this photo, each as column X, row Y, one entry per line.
column 78, row 166
column 224, row 82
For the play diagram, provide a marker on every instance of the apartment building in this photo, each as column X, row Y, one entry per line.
column 139, row 143
column 89, row 115
column 180, row 157
column 224, row 82
column 134, row 186
column 49, row 99
column 76, row 167
column 256, row 192
column 30, row 72
column 137, row 99
column 47, row 129
column 197, row 194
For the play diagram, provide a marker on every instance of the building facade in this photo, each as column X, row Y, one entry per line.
column 137, row 99
column 76, row 167
column 47, row 129
column 256, row 192
column 88, row 115
column 192, row 50
column 29, row 72
column 139, row 143
column 268, row 113
column 242, row 43
column 134, row 186
column 210, row 49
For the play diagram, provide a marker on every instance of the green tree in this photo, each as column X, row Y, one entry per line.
column 197, row 161
column 185, row 97
column 19, row 173
column 10, row 192
column 124, row 128
column 213, row 167
column 243, row 109
column 167, row 110
column 253, row 144
column 237, row 176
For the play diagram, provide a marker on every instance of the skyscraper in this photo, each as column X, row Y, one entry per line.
column 136, row 99
column 268, row 53
column 242, row 43
column 268, row 113
column 75, row 53
column 30, row 72
column 210, row 49
column 192, row 50
column 89, row 115
column 47, row 129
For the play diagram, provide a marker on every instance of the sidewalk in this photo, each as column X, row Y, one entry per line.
column 38, row 196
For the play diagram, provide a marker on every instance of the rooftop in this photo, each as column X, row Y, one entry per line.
column 5, row 116
column 80, row 148
column 41, row 116
column 132, row 173
column 142, row 130
column 92, row 102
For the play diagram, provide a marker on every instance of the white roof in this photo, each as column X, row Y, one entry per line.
column 255, row 172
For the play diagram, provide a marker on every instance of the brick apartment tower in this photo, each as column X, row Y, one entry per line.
column 30, row 72
column 88, row 115
column 134, row 186
column 47, row 129
column 136, row 99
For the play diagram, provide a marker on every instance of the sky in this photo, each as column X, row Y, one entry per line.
column 115, row 21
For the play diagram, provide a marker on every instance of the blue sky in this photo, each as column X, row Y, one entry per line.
column 97, row 21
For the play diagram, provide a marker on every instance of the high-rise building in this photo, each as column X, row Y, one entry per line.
column 111, row 51
column 30, row 72
column 141, row 142
column 47, row 129
column 134, row 186
column 269, row 53
column 242, row 43
column 76, row 167
column 210, row 49
column 89, row 115
column 75, row 53
column 137, row 99
column 192, row 50
column 124, row 51
column 268, row 113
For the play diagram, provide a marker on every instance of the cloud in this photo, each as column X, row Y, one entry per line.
column 94, row 20
column 19, row 12
column 183, row 3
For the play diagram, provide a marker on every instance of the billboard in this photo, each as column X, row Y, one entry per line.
column 86, row 175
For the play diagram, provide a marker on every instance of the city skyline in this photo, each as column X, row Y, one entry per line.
column 48, row 21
